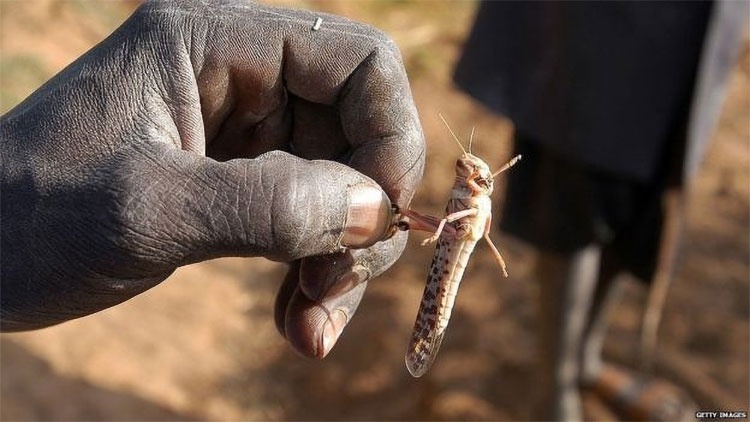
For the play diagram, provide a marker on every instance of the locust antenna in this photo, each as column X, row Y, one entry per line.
column 452, row 134
column 471, row 138
column 507, row 165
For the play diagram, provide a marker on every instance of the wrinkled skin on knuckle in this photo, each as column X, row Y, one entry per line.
column 149, row 217
column 180, row 208
column 138, row 219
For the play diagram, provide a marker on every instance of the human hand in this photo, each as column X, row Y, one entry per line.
column 116, row 172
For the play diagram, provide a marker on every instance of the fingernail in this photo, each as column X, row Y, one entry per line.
column 332, row 330
column 368, row 218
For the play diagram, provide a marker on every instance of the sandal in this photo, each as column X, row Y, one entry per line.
column 640, row 398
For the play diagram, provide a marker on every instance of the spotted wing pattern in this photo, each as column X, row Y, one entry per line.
column 446, row 271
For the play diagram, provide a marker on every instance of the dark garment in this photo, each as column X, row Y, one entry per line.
column 598, row 82
column 600, row 95
column 561, row 206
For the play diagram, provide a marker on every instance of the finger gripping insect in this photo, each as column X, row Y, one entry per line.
column 468, row 219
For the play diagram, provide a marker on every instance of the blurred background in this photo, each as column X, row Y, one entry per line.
column 203, row 344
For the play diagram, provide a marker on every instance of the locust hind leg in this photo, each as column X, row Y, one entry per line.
column 495, row 252
column 498, row 257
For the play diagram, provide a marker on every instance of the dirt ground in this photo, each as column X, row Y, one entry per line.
column 203, row 345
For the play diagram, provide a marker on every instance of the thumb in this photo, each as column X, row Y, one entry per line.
column 276, row 205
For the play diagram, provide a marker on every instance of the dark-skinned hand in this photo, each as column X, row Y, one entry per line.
column 201, row 130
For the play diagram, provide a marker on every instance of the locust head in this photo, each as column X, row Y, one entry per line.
column 475, row 172
column 472, row 170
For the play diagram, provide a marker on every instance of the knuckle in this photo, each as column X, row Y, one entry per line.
column 384, row 46
column 161, row 17
column 383, row 40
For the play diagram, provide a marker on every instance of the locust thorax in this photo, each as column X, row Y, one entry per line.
column 475, row 172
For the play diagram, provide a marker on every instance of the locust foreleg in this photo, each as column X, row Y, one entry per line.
column 449, row 219
column 413, row 220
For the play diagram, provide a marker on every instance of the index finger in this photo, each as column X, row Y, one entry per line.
column 358, row 70
column 253, row 62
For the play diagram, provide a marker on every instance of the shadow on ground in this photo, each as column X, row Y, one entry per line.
column 32, row 390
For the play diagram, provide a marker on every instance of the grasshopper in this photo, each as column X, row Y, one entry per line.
column 467, row 220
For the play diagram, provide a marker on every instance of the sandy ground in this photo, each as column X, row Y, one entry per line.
column 203, row 345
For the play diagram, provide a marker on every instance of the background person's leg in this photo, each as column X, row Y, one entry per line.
column 567, row 284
